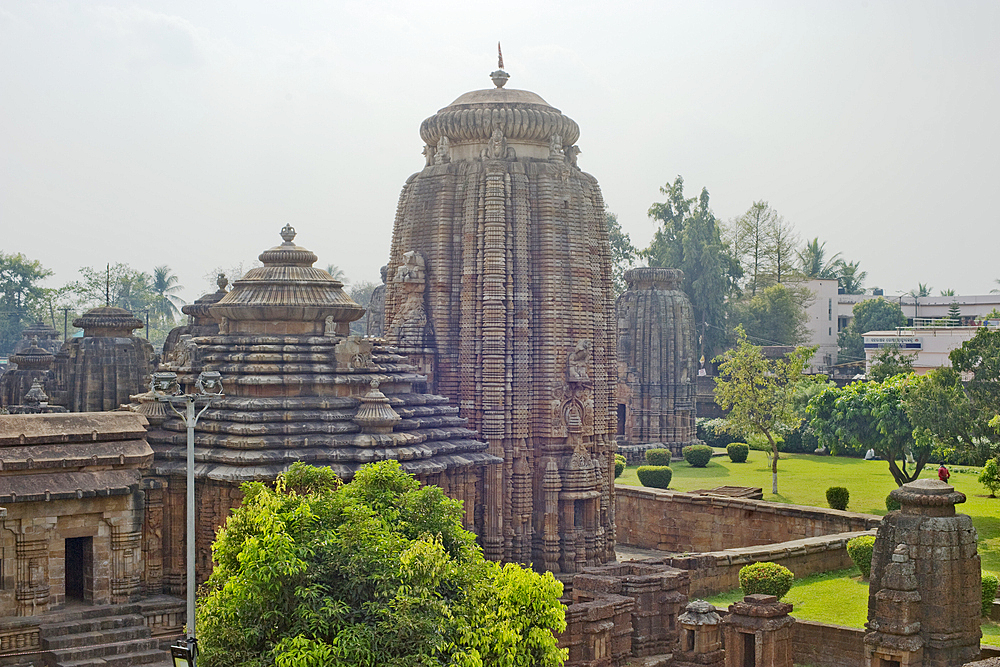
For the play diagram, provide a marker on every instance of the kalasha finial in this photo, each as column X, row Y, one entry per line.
column 499, row 77
column 222, row 281
column 288, row 233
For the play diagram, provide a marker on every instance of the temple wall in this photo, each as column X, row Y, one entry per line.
column 674, row 521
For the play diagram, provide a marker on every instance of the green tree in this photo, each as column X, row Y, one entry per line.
column 979, row 360
column 869, row 315
column 336, row 273
column 362, row 295
column 623, row 253
column 165, row 288
column 759, row 393
column 22, row 297
column 866, row 415
column 813, row 262
column 889, row 361
column 941, row 413
column 947, row 292
column 376, row 572
column 689, row 239
column 776, row 316
column 117, row 285
column 764, row 245
column 990, row 477
column 850, row 277
column 921, row 290
column 954, row 312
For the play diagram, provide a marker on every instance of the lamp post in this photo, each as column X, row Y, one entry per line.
column 165, row 389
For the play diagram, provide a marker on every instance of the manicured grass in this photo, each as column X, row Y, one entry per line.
column 804, row 478
column 811, row 600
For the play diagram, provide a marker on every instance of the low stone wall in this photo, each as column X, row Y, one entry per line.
column 823, row 645
column 675, row 521
column 718, row 571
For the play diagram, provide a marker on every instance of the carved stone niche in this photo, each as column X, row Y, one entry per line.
column 758, row 632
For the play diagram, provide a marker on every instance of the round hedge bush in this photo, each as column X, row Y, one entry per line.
column 891, row 504
column 860, row 550
column 990, row 582
column 657, row 477
column 837, row 497
column 738, row 452
column 766, row 578
column 658, row 457
column 697, row 455
column 619, row 465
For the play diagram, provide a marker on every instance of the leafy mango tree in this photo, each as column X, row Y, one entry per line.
column 760, row 393
column 866, row 415
column 375, row 572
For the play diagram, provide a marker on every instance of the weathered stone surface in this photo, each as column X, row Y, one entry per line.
column 656, row 361
column 297, row 388
column 758, row 624
column 499, row 290
column 933, row 581
column 101, row 370
column 28, row 366
column 72, row 488
column 40, row 334
column 200, row 320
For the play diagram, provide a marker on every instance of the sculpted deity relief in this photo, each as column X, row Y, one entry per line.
column 497, row 148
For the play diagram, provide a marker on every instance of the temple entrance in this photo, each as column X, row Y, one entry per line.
column 79, row 567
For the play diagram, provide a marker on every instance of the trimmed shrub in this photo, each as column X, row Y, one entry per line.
column 837, row 497
column 766, row 578
column 800, row 441
column 658, row 457
column 697, row 455
column 891, row 504
column 619, row 465
column 738, row 452
column 860, row 550
column 657, row 477
column 990, row 582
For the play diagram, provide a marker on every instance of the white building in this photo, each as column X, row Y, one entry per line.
column 929, row 345
column 823, row 313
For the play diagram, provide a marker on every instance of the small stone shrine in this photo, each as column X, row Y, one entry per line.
column 941, row 552
column 99, row 371
column 41, row 335
column 757, row 632
column 499, row 290
column 700, row 642
column 297, row 388
column 72, row 487
column 657, row 364
column 32, row 367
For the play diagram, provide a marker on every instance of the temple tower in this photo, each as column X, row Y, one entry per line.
column 30, row 365
column 499, row 289
column 656, row 363
column 99, row 371
column 297, row 388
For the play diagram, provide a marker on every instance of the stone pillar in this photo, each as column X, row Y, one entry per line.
column 758, row 633
column 152, row 541
column 700, row 643
column 32, row 587
column 942, row 547
column 126, row 563
column 894, row 640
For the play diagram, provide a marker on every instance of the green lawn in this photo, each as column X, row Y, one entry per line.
column 804, row 478
column 811, row 598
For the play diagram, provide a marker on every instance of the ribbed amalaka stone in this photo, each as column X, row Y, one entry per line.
column 941, row 545
column 30, row 364
column 499, row 289
column 656, row 362
column 101, row 369
column 297, row 388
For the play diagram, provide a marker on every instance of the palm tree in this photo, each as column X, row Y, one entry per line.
column 336, row 272
column 922, row 290
column 947, row 292
column 165, row 288
column 813, row 262
column 850, row 277
column 994, row 291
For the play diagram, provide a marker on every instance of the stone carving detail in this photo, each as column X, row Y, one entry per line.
column 443, row 153
column 571, row 153
column 353, row 353
column 519, row 319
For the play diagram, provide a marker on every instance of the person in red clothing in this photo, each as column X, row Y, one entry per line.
column 943, row 473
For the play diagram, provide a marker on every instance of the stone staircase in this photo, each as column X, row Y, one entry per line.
column 102, row 636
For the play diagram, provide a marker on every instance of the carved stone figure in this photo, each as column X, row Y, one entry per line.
column 579, row 359
column 443, row 153
column 556, row 148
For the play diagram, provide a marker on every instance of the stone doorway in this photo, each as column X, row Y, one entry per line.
column 79, row 568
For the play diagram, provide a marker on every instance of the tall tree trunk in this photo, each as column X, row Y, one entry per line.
column 774, row 464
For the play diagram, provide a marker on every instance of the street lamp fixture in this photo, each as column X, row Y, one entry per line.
column 166, row 389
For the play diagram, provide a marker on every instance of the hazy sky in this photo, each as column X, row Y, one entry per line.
column 189, row 133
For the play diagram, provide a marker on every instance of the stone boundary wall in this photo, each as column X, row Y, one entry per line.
column 718, row 571
column 674, row 521
column 823, row 645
